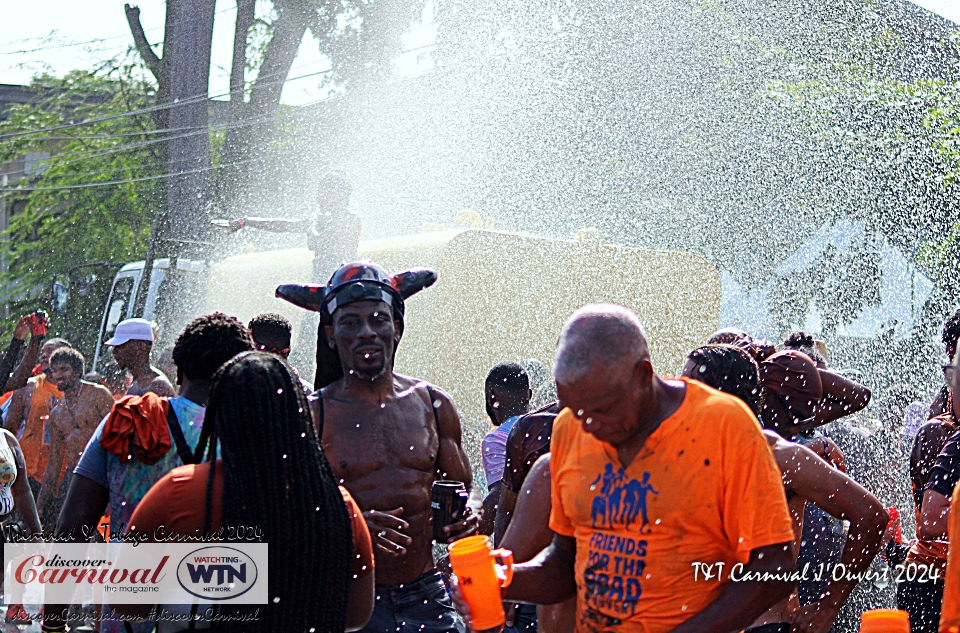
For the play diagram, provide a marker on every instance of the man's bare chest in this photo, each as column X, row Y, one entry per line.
column 360, row 440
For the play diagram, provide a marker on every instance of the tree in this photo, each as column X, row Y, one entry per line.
column 69, row 215
column 361, row 39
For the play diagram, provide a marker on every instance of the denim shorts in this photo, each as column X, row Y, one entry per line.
column 420, row 606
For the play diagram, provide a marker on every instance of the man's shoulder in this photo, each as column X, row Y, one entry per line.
column 566, row 429
column 951, row 448
column 546, row 414
column 942, row 425
column 435, row 397
column 701, row 400
column 98, row 389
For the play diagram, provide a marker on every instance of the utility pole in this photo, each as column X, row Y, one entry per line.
column 187, row 43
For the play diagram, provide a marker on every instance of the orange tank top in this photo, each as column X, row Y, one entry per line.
column 35, row 438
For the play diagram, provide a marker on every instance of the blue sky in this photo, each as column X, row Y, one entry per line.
column 51, row 24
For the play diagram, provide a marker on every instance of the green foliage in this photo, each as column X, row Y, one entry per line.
column 841, row 284
column 56, row 227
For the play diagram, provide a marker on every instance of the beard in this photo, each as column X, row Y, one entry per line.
column 372, row 373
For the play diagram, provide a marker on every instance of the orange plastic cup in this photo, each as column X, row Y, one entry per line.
column 884, row 621
column 480, row 579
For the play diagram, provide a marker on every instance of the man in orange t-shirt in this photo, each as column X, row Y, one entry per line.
column 653, row 480
column 27, row 417
column 950, row 611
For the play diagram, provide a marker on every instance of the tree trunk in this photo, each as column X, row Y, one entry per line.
column 190, row 29
column 248, row 140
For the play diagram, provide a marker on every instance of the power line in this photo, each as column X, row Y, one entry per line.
column 63, row 159
column 93, row 41
column 110, row 183
column 181, row 101
column 158, row 107
column 114, row 150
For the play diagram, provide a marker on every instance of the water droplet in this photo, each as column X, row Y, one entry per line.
column 276, row 600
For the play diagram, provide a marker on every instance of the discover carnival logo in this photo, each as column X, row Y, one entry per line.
column 148, row 573
column 217, row 573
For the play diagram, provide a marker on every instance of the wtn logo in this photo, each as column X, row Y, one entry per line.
column 225, row 573
column 217, row 573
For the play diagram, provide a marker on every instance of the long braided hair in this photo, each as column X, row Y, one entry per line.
column 277, row 477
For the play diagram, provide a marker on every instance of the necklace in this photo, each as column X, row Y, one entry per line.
column 66, row 403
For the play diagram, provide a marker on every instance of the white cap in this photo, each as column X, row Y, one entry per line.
column 132, row 330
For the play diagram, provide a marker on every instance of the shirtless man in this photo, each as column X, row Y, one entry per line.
column 25, row 417
column 132, row 342
column 388, row 438
column 72, row 422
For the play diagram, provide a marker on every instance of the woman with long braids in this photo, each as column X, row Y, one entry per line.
column 272, row 474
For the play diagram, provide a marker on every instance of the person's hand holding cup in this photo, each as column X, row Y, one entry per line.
column 480, row 574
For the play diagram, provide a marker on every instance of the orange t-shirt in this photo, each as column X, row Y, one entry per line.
column 703, row 489
column 178, row 503
column 35, row 438
column 950, row 611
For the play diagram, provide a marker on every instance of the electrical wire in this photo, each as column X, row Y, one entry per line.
column 162, row 106
column 94, row 41
column 148, row 178
column 69, row 157
column 109, row 183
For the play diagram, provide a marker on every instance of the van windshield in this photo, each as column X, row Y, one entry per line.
column 120, row 298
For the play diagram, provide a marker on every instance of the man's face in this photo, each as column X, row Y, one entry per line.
column 123, row 354
column 63, row 376
column 608, row 403
column 365, row 335
column 45, row 353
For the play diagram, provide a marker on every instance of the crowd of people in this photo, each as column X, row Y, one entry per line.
column 743, row 495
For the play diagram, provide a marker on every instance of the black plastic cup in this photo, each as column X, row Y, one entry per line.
column 449, row 502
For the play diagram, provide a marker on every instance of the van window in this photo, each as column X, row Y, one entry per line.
column 120, row 298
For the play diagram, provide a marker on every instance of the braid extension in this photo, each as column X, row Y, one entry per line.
column 277, row 477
